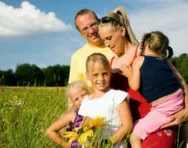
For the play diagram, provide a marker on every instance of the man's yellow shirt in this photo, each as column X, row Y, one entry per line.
column 78, row 61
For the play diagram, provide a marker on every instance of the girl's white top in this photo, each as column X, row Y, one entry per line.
column 106, row 107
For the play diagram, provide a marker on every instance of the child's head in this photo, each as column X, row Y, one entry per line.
column 158, row 43
column 76, row 91
column 98, row 71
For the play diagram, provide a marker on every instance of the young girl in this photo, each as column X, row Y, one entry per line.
column 106, row 102
column 76, row 91
column 151, row 75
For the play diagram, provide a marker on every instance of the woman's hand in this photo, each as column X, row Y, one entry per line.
column 178, row 118
column 125, row 70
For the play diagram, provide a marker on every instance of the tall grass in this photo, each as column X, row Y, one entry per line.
column 25, row 114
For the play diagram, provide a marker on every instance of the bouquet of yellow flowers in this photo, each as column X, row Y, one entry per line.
column 86, row 132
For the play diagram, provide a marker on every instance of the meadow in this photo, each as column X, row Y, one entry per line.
column 25, row 114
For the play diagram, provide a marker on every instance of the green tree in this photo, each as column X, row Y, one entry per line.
column 56, row 75
column 27, row 74
column 7, row 78
column 181, row 64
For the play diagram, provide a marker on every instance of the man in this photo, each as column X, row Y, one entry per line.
column 86, row 22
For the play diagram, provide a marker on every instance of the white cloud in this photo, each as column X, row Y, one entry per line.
column 170, row 18
column 28, row 20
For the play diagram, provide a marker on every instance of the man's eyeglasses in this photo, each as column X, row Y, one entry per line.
column 93, row 26
column 107, row 19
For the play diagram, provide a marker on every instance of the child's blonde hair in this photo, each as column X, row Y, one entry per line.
column 158, row 43
column 80, row 84
column 97, row 57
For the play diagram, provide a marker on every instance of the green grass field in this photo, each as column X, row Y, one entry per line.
column 26, row 112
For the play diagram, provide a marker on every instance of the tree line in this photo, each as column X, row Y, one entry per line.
column 57, row 75
column 181, row 64
column 31, row 75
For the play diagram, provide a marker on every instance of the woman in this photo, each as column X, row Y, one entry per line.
column 117, row 34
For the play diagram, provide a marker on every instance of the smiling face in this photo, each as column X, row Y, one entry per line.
column 99, row 75
column 77, row 95
column 88, row 27
column 114, row 39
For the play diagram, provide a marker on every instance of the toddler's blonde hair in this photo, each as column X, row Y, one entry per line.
column 79, row 84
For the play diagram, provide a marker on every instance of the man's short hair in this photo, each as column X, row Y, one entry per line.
column 82, row 12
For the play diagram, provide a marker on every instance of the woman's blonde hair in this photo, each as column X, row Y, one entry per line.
column 120, row 18
column 158, row 43
column 78, row 84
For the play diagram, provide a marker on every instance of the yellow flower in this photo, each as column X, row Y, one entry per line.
column 97, row 122
column 83, row 137
column 71, row 136
column 86, row 127
column 81, row 134
column 76, row 129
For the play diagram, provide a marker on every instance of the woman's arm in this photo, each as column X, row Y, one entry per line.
column 182, row 115
column 126, row 123
column 56, row 126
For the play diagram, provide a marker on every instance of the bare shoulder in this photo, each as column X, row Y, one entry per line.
column 138, row 61
column 69, row 116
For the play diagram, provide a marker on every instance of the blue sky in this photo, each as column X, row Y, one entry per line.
column 42, row 32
